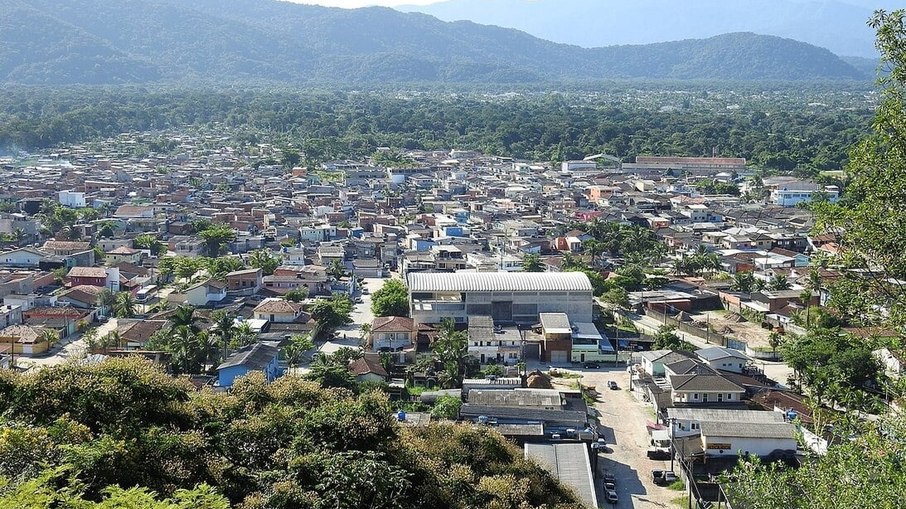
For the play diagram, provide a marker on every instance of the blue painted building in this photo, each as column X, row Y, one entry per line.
column 261, row 356
column 453, row 231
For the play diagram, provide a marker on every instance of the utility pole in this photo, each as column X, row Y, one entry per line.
column 672, row 442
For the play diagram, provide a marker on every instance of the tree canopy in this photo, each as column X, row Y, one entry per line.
column 392, row 299
column 122, row 433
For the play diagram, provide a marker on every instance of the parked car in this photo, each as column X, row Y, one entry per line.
column 659, row 454
column 663, row 477
column 591, row 365
column 600, row 445
column 610, row 485
column 611, row 496
column 612, row 385
column 608, row 476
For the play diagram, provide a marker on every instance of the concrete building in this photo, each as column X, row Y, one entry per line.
column 71, row 199
column 518, row 297
column 794, row 193
column 570, row 464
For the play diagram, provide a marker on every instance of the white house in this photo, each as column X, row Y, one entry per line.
column 23, row 257
column 206, row 293
column 744, row 438
column 726, row 359
column 703, row 389
column 687, row 421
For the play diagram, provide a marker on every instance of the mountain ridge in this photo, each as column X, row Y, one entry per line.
column 170, row 41
column 839, row 25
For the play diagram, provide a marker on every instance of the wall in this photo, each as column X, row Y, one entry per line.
column 227, row 376
column 759, row 446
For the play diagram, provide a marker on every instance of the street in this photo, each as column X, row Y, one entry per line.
column 350, row 335
column 68, row 348
column 623, row 425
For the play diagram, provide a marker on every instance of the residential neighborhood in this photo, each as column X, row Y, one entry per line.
column 614, row 319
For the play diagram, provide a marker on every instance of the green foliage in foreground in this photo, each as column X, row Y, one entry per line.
column 866, row 468
column 124, row 434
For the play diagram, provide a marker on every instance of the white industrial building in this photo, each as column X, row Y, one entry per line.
column 516, row 297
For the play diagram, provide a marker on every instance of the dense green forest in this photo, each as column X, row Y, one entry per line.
column 74, row 435
column 776, row 130
column 64, row 42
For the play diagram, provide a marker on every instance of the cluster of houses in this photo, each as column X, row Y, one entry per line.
column 452, row 223
column 713, row 405
column 456, row 226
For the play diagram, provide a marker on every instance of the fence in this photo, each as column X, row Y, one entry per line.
column 688, row 328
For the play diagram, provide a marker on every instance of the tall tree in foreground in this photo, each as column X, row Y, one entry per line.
column 869, row 219
column 864, row 466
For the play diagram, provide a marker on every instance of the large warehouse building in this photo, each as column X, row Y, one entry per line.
column 518, row 297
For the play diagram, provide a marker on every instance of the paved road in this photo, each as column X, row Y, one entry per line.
column 350, row 335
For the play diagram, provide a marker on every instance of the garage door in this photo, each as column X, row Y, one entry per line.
column 558, row 357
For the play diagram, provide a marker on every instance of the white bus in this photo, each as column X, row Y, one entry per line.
column 145, row 293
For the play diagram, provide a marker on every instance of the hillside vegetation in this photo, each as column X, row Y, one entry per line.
column 147, row 41
column 125, row 433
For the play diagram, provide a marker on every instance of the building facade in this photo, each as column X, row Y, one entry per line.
column 518, row 297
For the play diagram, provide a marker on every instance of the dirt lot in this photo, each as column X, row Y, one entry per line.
column 734, row 326
column 623, row 420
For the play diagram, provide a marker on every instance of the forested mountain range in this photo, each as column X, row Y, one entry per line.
column 838, row 25
column 245, row 41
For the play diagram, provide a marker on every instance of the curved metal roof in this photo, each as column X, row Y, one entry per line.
column 499, row 282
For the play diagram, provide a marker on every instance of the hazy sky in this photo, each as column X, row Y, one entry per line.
column 351, row 4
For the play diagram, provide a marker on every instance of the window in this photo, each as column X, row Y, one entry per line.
column 695, row 396
column 705, row 398
column 720, row 396
column 694, row 425
column 729, row 397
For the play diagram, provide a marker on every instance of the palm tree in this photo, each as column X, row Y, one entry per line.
column 184, row 316
column 451, row 347
column 50, row 336
column 532, row 263
column 207, row 348
column 216, row 237
column 265, row 260
column 366, row 332
column 19, row 236
column 243, row 335
column 185, row 351
column 106, row 300
column 779, row 282
column 775, row 339
column 594, row 248
column 124, row 307
column 336, row 270
column 223, row 327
